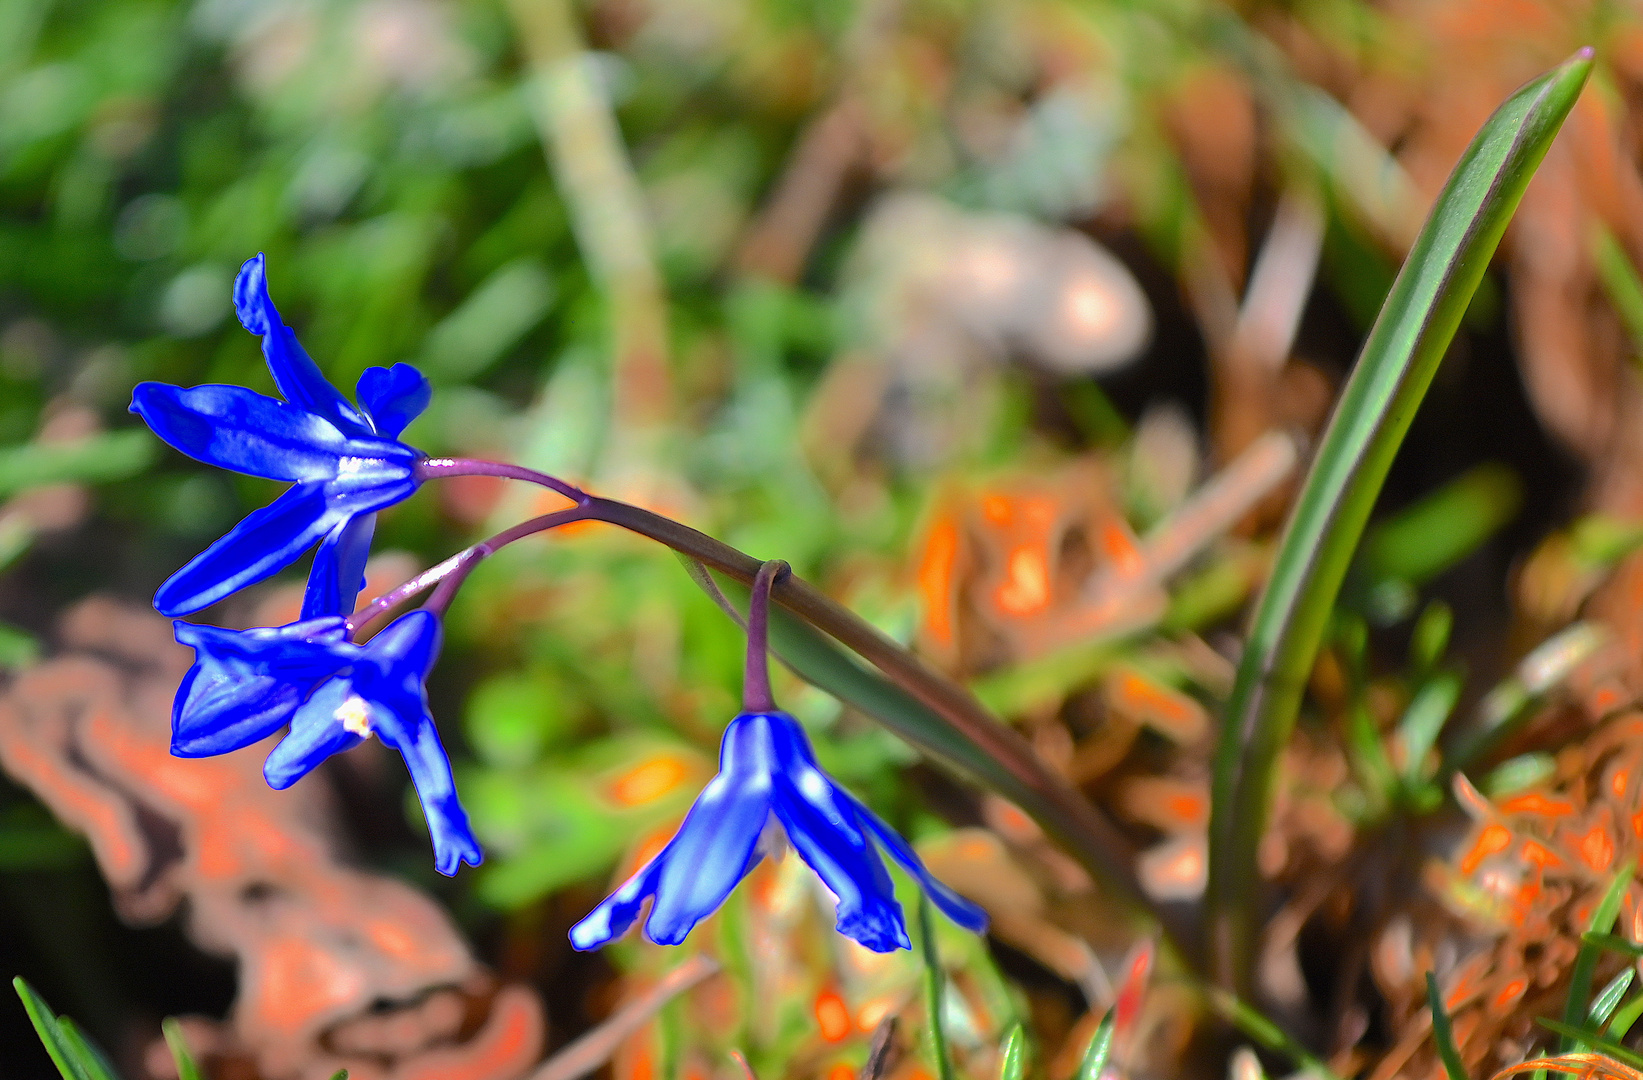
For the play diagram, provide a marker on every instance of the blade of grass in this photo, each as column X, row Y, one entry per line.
column 935, row 990
column 1013, row 1057
column 1580, row 977
column 1601, row 1043
column 1443, row 1032
column 92, row 1058
column 1438, row 530
column 1397, row 364
column 1620, row 281
column 1613, row 943
column 1095, row 1058
column 1428, row 711
column 1506, row 707
column 1625, row 1017
column 68, row 1049
column 1603, row 1006
column 187, row 1069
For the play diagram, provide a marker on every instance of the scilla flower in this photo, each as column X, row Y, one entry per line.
column 247, row 684
column 345, row 462
column 768, row 781
column 382, row 693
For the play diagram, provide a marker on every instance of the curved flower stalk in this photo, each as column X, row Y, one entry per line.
column 768, row 785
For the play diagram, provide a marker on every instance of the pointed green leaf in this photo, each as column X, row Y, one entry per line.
column 1625, row 1017
column 90, row 1057
column 1613, row 943
column 1095, row 1058
column 1399, row 359
column 1443, row 1032
column 1603, row 1006
column 1580, row 979
column 1268, row 1034
column 73, row 1056
column 1573, row 1035
column 187, row 1068
column 1013, row 1063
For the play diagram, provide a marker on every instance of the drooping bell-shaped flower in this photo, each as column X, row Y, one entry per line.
column 768, row 781
column 344, row 462
column 382, row 693
column 768, row 777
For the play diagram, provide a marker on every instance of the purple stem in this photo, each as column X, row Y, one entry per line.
column 434, row 468
column 756, row 695
column 450, row 574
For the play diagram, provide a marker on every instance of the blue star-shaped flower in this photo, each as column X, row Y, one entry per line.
column 768, row 774
column 345, row 463
column 381, row 692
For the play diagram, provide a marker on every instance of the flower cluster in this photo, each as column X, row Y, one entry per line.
column 345, row 463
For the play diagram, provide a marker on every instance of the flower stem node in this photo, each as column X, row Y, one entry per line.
column 768, row 773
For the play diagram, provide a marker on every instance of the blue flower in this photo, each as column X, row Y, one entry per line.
column 381, row 692
column 768, row 775
column 345, row 463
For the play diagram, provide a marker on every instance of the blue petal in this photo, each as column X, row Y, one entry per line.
column 267, row 541
column 235, row 428
column 611, row 919
column 316, row 734
column 405, row 651
column 713, row 850
column 214, row 715
column 393, row 397
column 391, row 680
column 246, row 684
column 820, row 830
column 453, row 838
column 338, row 573
column 297, row 376
column 960, row 910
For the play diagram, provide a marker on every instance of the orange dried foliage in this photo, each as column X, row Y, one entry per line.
column 1004, row 572
column 1523, row 885
column 320, row 946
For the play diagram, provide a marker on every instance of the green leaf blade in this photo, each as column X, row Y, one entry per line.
column 1575, row 1008
column 62, row 1042
column 1095, row 1058
column 1399, row 359
column 1013, row 1055
column 1443, row 1032
column 187, row 1068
